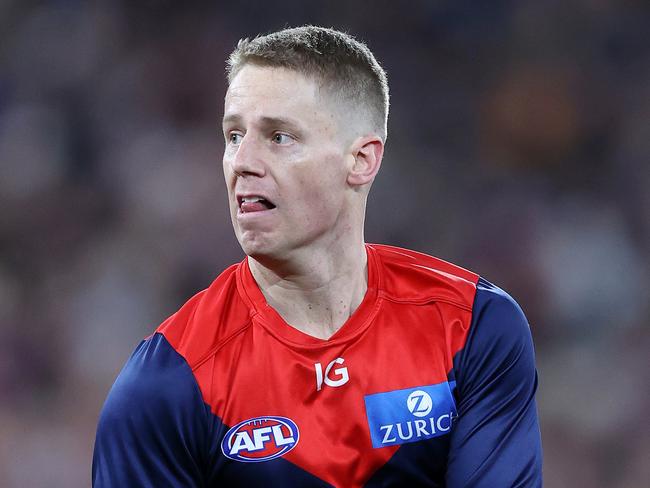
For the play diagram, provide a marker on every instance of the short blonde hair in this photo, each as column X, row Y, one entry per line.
column 339, row 62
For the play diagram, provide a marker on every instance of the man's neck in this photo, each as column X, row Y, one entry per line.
column 317, row 296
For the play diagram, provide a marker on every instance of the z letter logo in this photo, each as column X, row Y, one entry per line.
column 341, row 372
column 410, row 415
column 419, row 403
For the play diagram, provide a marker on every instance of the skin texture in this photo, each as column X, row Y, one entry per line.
column 288, row 142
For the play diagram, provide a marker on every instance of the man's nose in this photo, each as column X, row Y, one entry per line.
column 248, row 160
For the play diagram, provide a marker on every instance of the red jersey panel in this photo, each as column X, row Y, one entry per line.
column 257, row 365
column 398, row 395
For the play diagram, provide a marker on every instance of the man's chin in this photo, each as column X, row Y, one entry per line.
column 258, row 249
column 269, row 255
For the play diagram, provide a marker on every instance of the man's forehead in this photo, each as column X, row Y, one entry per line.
column 271, row 82
column 274, row 94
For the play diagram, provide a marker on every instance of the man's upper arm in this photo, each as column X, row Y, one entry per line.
column 153, row 428
column 496, row 441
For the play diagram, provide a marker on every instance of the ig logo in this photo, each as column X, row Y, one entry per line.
column 419, row 403
column 342, row 373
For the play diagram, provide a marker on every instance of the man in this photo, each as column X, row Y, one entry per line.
column 320, row 360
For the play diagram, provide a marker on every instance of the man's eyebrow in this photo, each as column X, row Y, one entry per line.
column 231, row 119
column 278, row 121
column 265, row 121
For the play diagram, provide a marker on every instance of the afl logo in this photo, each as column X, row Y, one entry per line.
column 260, row 439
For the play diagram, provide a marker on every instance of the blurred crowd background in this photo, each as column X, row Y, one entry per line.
column 519, row 146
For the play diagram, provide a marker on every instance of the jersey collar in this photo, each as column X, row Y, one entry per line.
column 266, row 316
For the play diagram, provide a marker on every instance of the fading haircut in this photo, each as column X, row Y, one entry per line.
column 337, row 61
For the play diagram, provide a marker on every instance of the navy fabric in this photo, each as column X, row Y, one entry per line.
column 496, row 440
column 415, row 464
column 155, row 430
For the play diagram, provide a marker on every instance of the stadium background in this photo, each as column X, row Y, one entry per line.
column 519, row 144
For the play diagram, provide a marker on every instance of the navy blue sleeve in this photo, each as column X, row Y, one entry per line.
column 154, row 427
column 496, row 441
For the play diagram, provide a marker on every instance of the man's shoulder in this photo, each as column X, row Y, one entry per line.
column 412, row 276
column 208, row 319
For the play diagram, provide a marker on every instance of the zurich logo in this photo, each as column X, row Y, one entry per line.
column 411, row 415
column 419, row 403
column 260, row 439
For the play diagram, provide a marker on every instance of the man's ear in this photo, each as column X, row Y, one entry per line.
column 367, row 152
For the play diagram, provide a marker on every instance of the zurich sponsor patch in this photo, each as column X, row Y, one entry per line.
column 260, row 439
column 410, row 415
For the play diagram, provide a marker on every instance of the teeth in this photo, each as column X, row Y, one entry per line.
column 252, row 199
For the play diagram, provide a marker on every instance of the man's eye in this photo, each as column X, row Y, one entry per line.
column 280, row 138
column 234, row 138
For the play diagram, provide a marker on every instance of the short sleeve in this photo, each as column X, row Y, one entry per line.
column 496, row 440
column 153, row 428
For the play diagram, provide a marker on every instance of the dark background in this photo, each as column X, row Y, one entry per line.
column 518, row 147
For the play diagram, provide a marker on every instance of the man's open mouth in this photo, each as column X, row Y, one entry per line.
column 254, row 203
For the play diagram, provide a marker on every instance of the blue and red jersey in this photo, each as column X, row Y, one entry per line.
column 431, row 382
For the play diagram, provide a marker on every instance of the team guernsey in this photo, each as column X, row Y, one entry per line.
column 431, row 382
